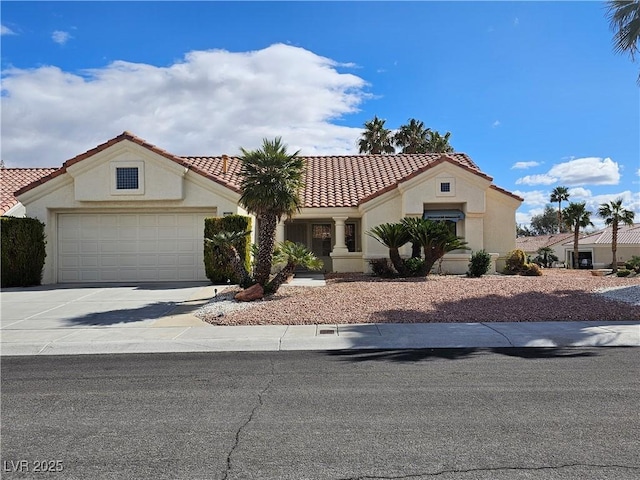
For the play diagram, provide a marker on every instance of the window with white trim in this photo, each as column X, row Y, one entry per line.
column 127, row 177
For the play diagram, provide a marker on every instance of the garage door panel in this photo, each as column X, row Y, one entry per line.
column 130, row 247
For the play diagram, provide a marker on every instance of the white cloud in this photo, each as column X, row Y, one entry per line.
column 534, row 198
column 579, row 171
column 4, row 30
column 524, row 165
column 638, row 172
column 210, row 103
column 496, row 124
column 60, row 37
column 543, row 179
column 579, row 194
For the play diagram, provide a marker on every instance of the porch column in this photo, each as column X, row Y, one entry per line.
column 280, row 232
column 340, row 246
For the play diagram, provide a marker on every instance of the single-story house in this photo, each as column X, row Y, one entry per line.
column 127, row 210
column 594, row 250
column 531, row 245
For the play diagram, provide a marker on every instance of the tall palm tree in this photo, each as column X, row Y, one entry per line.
column 614, row 215
column 376, row 138
column 559, row 194
column 576, row 216
column 393, row 236
column 624, row 20
column 412, row 137
column 271, row 183
column 437, row 143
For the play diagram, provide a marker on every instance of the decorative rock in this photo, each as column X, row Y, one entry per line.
column 254, row 292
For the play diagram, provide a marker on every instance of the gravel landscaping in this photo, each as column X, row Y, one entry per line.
column 558, row 295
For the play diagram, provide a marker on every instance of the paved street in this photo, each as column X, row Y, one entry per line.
column 448, row 414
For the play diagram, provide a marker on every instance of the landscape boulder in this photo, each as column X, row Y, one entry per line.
column 254, row 292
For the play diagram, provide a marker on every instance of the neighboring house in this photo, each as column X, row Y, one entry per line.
column 13, row 179
column 594, row 250
column 129, row 211
column 531, row 245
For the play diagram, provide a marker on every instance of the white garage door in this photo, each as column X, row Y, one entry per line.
column 137, row 247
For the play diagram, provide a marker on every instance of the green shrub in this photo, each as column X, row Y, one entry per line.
column 216, row 265
column 633, row 264
column 515, row 262
column 479, row 264
column 623, row 272
column 415, row 267
column 23, row 251
column 382, row 267
column 531, row 270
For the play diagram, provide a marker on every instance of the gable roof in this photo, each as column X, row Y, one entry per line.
column 532, row 244
column 330, row 181
column 627, row 235
column 12, row 179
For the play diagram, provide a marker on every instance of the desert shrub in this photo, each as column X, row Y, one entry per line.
column 479, row 264
column 415, row 267
column 23, row 251
column 633, row 264
column 531, row 270
column 623, row 272
column 515, row 262
column 216, row 264
column 382, row 267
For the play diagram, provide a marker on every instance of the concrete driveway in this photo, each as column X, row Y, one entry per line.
column 105, row 305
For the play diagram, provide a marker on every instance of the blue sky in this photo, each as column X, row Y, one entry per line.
column 532, row 91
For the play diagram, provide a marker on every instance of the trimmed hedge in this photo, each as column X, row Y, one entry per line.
column 216, row 266
column 23, row 251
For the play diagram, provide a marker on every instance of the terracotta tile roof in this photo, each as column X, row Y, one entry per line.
column 346, row 181
column 532, row 244
column 13, row 179
column 627, row 235
column 330, row 181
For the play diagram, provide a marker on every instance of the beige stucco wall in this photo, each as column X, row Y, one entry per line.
column 59, row 195
column 500, row 225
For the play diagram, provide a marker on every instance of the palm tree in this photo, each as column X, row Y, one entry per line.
column 292, row 255
column 393, row 236
column 434, row 237
column 624, row 20
column 225, row 242
column 437, row 143
column 412, row 137
column 614, row 215
column 576, row 216
column 559, row 194
column 546, row 256
column 376, row 139
column 270, row 186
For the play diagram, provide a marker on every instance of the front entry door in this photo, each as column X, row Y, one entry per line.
column 321, row 243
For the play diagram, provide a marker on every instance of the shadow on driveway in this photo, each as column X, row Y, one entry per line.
column 152, row 311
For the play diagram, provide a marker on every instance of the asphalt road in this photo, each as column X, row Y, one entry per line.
column 446, row 414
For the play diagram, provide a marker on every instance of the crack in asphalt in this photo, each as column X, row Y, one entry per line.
column 491, row 469
column 255, row 408
column 498, row 331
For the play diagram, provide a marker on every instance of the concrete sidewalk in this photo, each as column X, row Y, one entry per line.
column 154, row 319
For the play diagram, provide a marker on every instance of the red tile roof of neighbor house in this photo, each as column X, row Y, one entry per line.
column 12, row 179
column 330, row 181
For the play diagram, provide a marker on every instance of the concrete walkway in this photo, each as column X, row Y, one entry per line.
column 107, row 319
